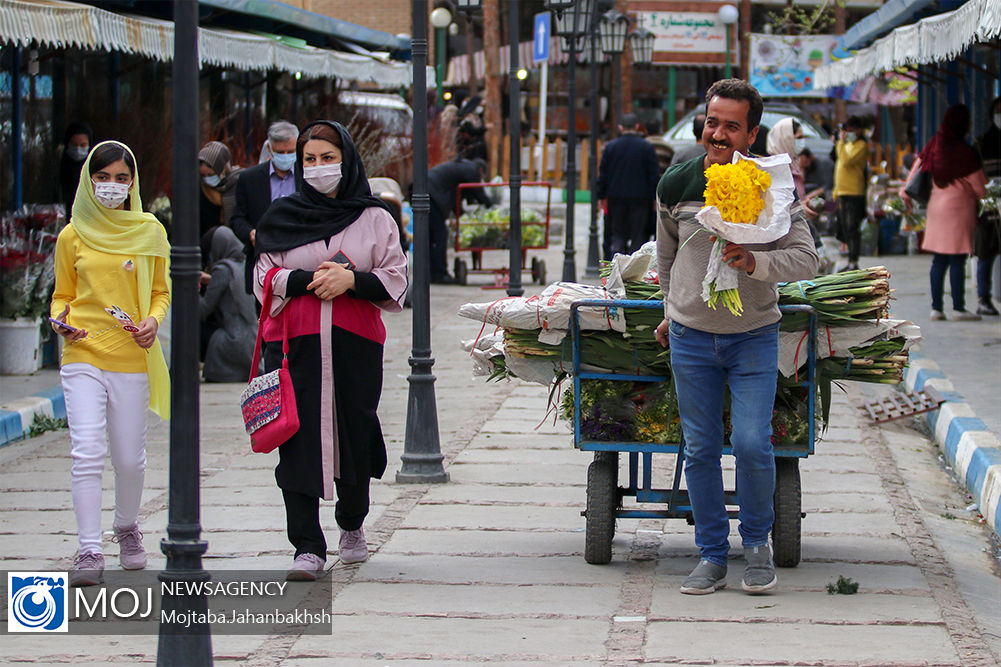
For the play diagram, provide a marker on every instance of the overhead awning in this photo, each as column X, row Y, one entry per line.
column 892, row 14
column 933, row 39
column 59, row 23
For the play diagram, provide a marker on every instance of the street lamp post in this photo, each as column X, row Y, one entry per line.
column 514, row 139
column 728, row 14
column 440, row 18
column 614, row 27
column 641, row 42
column 593, row 250
column 572, row 18
column 179, row 644
column 422, row 459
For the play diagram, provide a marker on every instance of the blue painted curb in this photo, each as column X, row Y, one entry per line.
column 973, row 451
column 16, row 417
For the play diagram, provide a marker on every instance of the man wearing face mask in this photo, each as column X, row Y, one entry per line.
column 852, row 155
column 76, row 146
column 218, row 186
column 260, row 185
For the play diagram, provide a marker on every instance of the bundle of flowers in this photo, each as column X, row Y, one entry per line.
column 488, row 228
column 27, row 259
column 747, row 201
column 910, row 221
column 862, row 294
column 991, row 203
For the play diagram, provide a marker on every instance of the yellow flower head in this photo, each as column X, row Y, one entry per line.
column 736, row 190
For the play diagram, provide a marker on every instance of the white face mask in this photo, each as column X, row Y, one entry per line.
column 850, row 137
column 212, row 181
column 997, row 120
column 283, row 161
column 798, row 145
column 78, row 153
column 111, row 194
column 323, row 178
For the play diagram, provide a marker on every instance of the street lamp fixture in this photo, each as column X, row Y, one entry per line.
column 440, row 19
column 728, row 14
column 613, row 27
column 470, row 7
column 641, row 42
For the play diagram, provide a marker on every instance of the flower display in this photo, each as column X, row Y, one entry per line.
column 482, row 228
column 27, row 259
column 736, row 190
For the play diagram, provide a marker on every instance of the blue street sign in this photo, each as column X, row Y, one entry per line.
column 540, row 38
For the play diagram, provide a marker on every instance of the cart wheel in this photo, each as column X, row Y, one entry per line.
column 602, row 501
column 539, row 270
column 461, row 271
column 788, row 512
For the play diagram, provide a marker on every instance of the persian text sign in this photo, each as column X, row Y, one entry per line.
column 685, row 32
column 784, row 64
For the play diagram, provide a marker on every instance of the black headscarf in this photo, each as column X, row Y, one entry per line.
column 308, row 215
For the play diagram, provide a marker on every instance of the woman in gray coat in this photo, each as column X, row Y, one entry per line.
column 225, row 300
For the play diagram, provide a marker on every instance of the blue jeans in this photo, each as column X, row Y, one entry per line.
column 956, row 264
column 984, row 269
column 703, row 364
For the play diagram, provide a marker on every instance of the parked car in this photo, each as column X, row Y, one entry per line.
column 817, row 140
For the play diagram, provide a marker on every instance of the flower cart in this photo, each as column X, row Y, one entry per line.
column 654, row 428
column 478, row 230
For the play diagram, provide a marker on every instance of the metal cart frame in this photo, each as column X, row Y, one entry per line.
column 605, row 495
column 461, row 270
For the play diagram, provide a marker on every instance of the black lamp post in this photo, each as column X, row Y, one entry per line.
column 180, row 645
column 422, row 459
column 514, row 139
column 573, row 17
column 594, row 53
column 614, row 26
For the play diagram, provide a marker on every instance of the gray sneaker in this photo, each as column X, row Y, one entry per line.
column 130, row 540
column 88, row 570
column 759, row 575
column 706, row 578
column 353, row 547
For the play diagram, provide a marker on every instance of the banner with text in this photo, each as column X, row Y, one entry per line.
column 783, row 65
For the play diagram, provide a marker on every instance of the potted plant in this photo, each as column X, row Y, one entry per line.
column 27, row 262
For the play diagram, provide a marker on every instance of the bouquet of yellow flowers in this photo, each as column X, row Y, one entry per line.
column 747, row 201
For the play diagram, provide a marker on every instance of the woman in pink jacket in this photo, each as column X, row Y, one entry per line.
column 958, row 184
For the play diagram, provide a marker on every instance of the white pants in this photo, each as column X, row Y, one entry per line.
column 104, row 407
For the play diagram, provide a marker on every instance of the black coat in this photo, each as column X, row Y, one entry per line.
column 444, row 181
column 629, row 169
column 253, row 197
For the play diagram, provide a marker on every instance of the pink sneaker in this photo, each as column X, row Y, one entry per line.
column 88, row 570
column 353, row 548
column 306, row 567
column 132, row 555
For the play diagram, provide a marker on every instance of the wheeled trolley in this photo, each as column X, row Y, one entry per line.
column 605, row 493
column 491, row 233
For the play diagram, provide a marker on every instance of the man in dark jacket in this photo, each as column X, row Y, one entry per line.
column 262, row 184
column 443, row 187
column 627, row 179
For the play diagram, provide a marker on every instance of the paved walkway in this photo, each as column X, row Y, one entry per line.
column 489, row 567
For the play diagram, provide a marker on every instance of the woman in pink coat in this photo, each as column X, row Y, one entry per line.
column 958, row 184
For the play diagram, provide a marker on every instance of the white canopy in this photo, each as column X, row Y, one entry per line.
column 59, row 23
column 933, row 39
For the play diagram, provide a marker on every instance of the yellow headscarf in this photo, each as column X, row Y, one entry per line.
column 128, row 231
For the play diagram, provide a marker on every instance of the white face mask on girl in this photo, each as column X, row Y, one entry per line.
column 799, row 143
column 323, row 178
column 111, row 194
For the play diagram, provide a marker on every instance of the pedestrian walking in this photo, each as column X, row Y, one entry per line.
column 715, row 349
column 627, row 186
column 217, row 195
column 958, row 184
column 340, row 264
column 226, row 303
column 260, row 185
column 665, row 153
column 852, row 157
column 443, row 188
column 987, row 237
column 76, row 145
column 111, row 257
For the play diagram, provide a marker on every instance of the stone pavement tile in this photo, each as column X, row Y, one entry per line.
column 494, row 517
column 563, row 456
column 221, row 495
column 518, row 473
column 853, row 548
column 782, row 642
column 50, row 521
column 477, row 494
column 520, row 441
column 43, row 546
column 239, row 478
column 30, row 501
column 794, row 605
column 819, row 481
column 384, row 662
column 494, row 570
column 515, row 425
column 849, row 523
column 462, row 599
column 14, row 479
column 839, row 465
column 485, row 542
column 227, row 542
column 442, row 639
column 815, row 503
column 55, row 648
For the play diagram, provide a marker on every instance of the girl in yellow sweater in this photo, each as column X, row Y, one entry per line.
column 112, row 254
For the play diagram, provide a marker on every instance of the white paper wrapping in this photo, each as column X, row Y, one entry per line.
column 837, row 341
